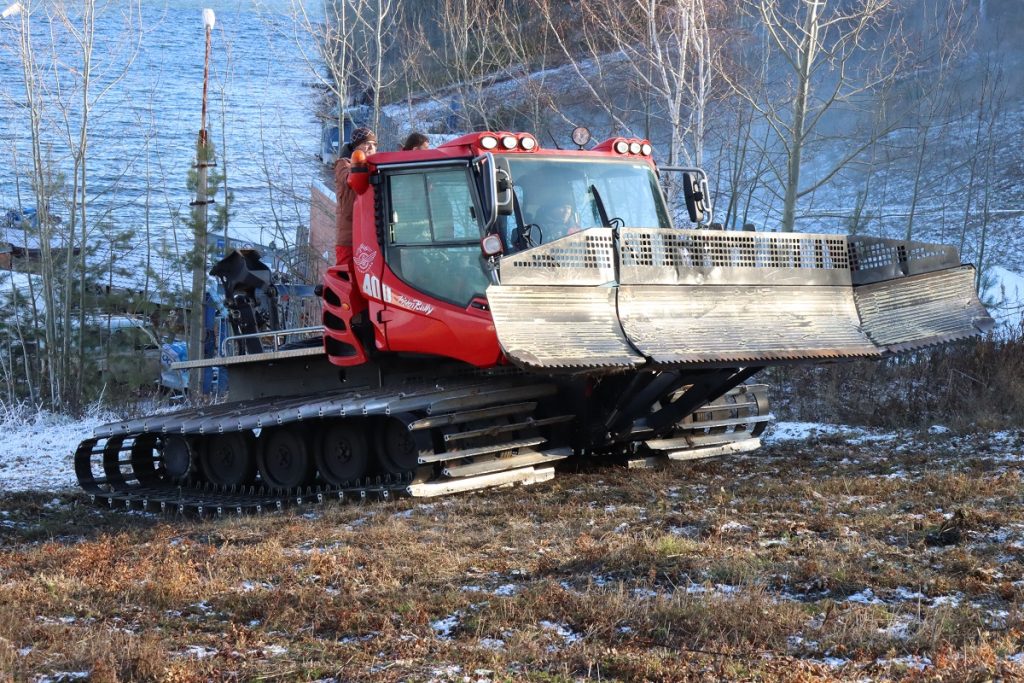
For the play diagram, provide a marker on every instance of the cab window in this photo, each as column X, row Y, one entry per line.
column 433, row 235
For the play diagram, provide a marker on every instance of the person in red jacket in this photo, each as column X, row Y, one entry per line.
column 364, row 140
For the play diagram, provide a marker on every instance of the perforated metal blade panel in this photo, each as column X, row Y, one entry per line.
column 922, row 310
column 560, row 327
column 695, row 324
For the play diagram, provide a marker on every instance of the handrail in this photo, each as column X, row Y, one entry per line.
column 275, row 334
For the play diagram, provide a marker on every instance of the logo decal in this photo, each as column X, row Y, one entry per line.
column 413, row 304
column 364, row 257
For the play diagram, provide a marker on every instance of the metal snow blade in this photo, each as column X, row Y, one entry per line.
column 704, row 298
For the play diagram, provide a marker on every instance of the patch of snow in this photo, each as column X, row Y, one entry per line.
column 196, row 652
column 492, row 643
column 471, row 589
column 996, row 618
column 39, row 449
column 951, row 600
column 899, row 628
column 1017, row 658
column 249, row 586
column 733, row 527
column 24, row 651
column 909, row 661
column 830, row 662
column 506, row 590
column 273, row 650
column 562, row 631
column 1004, row 297
column 62, row 677
column 624, row 629
column 444, row 627
column 865, row 597
column 938, row 429
column 781, row 432
column 902, row 593
column 446, row 672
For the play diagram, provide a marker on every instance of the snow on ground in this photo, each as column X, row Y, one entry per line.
column 37, row 451
column 1003, row 293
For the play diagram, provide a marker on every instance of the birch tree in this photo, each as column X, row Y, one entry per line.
column 664, row 47
column 833, row 55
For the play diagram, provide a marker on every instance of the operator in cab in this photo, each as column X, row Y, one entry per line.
column 365, row 141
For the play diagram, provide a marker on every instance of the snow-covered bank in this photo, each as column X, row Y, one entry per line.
column 37, row 450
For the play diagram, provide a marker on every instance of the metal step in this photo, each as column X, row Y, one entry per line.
column 523, row 477
column 472, row 415
column 730, row 422
column 482, row 450
column 744, row 446
column 695, row 440
column 498, row 464
column 505, row 428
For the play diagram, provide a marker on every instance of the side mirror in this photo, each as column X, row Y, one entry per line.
column 503, row 200
column 695, row 194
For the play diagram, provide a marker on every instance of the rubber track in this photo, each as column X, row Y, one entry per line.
column 193, row 497
column 108, row 472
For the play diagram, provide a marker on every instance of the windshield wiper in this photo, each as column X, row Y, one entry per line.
column 602, row 212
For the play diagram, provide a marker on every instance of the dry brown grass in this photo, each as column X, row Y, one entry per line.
column 735, row 570
column 969, row 385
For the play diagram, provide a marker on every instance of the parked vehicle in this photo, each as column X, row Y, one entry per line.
column 502, row 307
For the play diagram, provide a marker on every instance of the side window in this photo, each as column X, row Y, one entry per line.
column 434, row 236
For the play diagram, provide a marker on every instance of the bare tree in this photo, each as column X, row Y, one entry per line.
column 664, row 47
column 833, row 55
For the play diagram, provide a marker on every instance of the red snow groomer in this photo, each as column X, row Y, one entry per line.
column 502, row 307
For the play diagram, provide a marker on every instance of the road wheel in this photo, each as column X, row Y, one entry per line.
column 178, row 457
column 398, row 449
column 343, row 453
column 227, row 460
column 284, row 461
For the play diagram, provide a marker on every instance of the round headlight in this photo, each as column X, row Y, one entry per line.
column 646, row 149
column 491, row 245
column 527, row 143
column 634, row 147
column 488, row 142
column 509, row 142
column 621, row 146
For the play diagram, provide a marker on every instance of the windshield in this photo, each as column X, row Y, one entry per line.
column 556, row 197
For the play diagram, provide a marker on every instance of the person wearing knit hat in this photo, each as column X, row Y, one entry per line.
column 364, row 140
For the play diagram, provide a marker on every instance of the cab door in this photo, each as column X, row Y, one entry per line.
column 434, row 283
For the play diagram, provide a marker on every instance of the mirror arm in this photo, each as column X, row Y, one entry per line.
column 703, row 184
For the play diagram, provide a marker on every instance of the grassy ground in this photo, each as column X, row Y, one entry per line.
column 828, row 559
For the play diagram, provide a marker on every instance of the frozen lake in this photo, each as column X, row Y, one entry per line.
column 262, row 103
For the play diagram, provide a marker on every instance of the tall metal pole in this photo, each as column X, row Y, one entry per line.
column 200, row 217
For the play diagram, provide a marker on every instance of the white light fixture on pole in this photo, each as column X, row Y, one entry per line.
column 12, row 11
